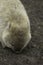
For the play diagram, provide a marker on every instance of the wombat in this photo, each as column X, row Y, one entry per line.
column 14, row 25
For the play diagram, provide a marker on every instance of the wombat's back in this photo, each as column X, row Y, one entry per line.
column 11, row 7
column 13, row 12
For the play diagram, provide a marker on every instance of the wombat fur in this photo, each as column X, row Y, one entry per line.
column 14, row 25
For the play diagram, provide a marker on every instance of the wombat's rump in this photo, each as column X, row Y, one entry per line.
column 14, row 25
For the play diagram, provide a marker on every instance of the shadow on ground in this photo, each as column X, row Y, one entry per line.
column 33, row 53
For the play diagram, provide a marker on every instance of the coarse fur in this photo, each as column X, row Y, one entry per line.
column 14, row 25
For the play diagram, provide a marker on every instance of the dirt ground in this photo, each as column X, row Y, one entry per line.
column 33, row 53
